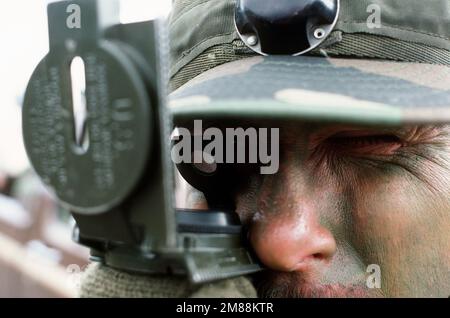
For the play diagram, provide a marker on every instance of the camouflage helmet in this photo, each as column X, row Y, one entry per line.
column 393, row 72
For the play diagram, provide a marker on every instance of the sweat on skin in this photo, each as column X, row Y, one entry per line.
column 347, row 197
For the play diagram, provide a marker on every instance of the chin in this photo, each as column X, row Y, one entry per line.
column 294, row 285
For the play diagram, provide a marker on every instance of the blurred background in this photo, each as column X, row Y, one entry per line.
column 37, row 255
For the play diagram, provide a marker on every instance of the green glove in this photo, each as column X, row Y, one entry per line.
column 100, row 281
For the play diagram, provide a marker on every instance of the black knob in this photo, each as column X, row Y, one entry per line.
column 288, row 27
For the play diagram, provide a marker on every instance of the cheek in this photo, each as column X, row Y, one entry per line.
column 400, row 225
column 385, row 212
column 393, row 209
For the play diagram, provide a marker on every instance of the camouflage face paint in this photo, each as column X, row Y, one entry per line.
column 320, row 226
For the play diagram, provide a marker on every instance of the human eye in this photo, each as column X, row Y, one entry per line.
column 364, row 144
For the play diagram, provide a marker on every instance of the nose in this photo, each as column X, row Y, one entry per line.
column 290, row 242
column 287, row 234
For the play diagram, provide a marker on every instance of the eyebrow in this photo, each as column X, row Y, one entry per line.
column 413, row 133
column 323, row 133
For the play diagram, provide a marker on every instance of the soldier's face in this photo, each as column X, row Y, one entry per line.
column 351, row 205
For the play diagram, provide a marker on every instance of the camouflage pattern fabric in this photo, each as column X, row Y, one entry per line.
column 203, row 35
column 104, row 282
column 314, row 88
